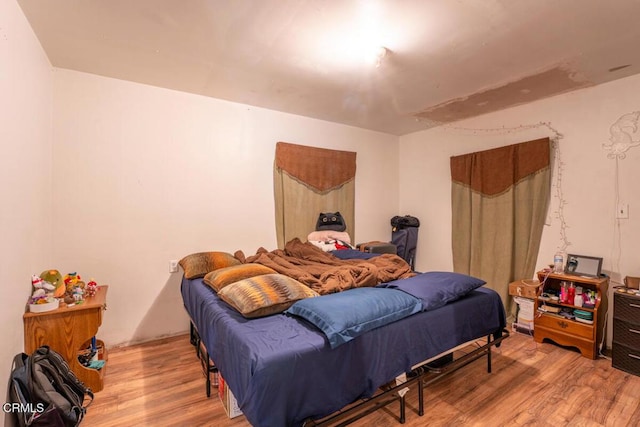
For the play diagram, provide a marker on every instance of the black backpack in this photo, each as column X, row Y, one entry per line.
column 44, row 391
column 404, row 234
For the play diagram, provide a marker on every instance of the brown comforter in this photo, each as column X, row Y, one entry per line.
column 325, row 273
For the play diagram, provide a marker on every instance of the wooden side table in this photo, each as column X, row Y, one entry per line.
column 550, row 325
column 67, row 330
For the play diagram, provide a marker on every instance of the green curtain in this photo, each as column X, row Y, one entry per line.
column 310, row 180
column 500, row 199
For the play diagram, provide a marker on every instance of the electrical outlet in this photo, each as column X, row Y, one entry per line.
column 623, row 211
column 173, row 266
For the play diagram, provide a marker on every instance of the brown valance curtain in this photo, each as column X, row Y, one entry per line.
column 499, row 203
column 310, row 180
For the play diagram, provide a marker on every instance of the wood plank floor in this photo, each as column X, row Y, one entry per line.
column 160, row 384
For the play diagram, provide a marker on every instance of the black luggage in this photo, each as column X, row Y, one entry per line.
column 404, row 235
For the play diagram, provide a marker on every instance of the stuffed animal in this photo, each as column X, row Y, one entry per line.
column 55, row 279
column 70, row 281
column 78, row 294
column 37, row 282
column 91, row 288
column 42, row 291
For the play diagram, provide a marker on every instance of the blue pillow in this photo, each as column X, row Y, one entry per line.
column 345, row 315
column 436, row 288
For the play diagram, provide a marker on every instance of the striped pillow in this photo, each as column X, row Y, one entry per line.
column 199, row 264
column 264, row 295
column 222, row 277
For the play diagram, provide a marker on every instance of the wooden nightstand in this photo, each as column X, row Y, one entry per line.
column 67, row 330
column 549, row 325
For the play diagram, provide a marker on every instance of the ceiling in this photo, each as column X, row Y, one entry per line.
column 395, row 66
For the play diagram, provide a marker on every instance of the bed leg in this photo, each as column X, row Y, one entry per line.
column 420, row 396
column 192, row 335
column 402, row 410
column 489, row 353
column 194, row 338
column 209, row 370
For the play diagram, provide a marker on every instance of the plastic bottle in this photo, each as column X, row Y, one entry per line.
column 572, row 294
column 564, row 293
column 579, row 299
column 558, row 263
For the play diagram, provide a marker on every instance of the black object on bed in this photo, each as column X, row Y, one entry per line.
column 283, row 369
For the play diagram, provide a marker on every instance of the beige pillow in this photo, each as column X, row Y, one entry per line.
column 264, row 295
column 222, row 277
column 199, row 264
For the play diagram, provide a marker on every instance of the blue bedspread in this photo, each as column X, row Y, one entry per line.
column 352, row 254
column 283, row 371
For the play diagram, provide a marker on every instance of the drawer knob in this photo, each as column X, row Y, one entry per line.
column 635, row 331
column 563, row 324
column 634, row 356
column 634, row 305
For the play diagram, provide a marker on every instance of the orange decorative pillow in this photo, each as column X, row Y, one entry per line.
column 222, row 277
column 264, row 295
column 199, row 264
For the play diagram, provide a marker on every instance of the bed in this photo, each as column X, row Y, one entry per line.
column 284, row 370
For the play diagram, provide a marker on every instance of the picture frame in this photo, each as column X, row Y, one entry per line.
column 583, row 265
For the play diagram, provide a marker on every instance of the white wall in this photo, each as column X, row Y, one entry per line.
column 25, row 175
column 144, row 175
column 588, row 178
column 125, row 177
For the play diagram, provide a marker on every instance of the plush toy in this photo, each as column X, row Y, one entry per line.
column 42, row 291
column 37, row 282
column 78, row 294
column 54, row 278
column 71, row 280
column 91, row 288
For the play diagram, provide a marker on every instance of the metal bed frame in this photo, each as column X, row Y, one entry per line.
column 423, row 374
column 208, row 366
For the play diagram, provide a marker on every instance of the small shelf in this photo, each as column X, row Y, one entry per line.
column 561, row 304
column 584, row 336
column 84, row 354
column 558, row 316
